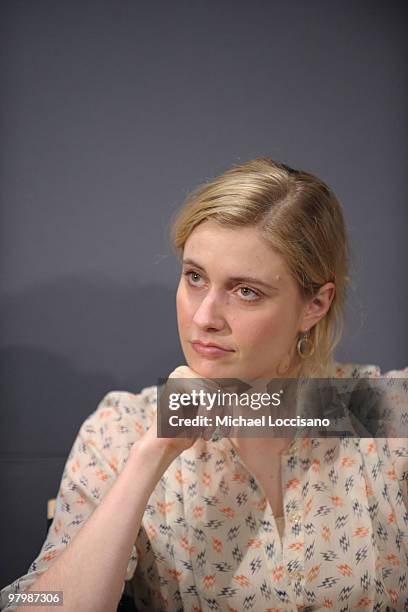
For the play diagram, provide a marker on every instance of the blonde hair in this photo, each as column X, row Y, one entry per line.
column 301, row 219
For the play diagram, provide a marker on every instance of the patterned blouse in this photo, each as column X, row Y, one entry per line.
column 209, row 540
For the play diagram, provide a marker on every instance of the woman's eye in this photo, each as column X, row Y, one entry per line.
column 193, row 277
column 248, row 294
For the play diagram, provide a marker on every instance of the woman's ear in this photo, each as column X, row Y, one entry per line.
column 317, row 307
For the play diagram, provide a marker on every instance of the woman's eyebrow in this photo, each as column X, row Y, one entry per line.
column 233, row 279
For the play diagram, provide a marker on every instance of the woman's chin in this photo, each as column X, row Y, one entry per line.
column 212, row 369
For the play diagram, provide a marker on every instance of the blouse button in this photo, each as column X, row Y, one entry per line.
column 292, row 448
column 295, row 518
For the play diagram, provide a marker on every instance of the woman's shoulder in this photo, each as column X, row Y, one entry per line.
column 398, row 403
column 118, row 403
column 120, row 418
column 356, row 370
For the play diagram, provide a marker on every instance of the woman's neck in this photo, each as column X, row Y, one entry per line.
column 260, row 447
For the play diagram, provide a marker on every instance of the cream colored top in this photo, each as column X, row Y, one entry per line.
column 209, row 540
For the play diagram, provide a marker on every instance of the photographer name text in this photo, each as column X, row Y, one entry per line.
column 241, row 421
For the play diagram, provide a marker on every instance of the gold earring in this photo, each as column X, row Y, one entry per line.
column 305, row 347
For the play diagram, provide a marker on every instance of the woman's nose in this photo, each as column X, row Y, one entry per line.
column 209, row 313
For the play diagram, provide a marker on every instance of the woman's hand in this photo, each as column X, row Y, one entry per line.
column 182, row 380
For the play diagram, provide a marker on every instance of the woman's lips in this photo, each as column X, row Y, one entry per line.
column 210, row 351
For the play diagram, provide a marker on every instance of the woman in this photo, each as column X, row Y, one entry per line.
column 240, row 523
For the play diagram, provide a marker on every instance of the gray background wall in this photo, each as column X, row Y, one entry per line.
column 111, row 112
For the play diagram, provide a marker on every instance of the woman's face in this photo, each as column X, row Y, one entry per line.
column 236, row 292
